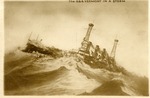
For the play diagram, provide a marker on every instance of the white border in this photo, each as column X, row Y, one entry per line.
column 2, row 58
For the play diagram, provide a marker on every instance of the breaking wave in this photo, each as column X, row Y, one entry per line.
column 25, row 74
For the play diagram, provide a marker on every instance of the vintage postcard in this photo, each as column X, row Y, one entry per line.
column 76, row 48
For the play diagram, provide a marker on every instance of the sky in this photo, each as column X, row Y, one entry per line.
column 64, row 24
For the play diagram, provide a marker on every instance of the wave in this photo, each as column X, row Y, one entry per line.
column 26, row 74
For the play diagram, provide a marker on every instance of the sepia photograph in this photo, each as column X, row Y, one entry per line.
column 76, row 47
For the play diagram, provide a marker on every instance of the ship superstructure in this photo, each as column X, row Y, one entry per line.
column 94, row 56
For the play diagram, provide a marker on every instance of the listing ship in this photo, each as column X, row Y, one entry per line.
column 92, row 55
column 96, row 57
column 89, row 70
column 34, row 46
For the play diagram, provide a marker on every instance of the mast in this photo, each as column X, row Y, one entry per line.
column 114, row 48
column 89, row 32
column 30, row 36
column 37, row 37
column 85, row 43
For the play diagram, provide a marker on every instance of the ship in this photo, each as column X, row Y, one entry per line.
column 90, row 54
column 36, row 46
column 88, row 70
column 94, row 56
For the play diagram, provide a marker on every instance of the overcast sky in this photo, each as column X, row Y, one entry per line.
column 64, row 24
